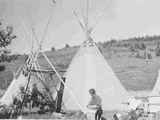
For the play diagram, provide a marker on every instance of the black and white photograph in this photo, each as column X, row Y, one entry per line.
column 80, row 59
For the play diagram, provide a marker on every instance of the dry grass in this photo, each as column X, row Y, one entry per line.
column 134, row 73
column 137, row 75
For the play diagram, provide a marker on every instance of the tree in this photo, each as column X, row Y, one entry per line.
column 67, row 46
column 136, row 46
column 6, row 37
column 143, row 46
column 113, row 41
column 2, row 68
column 53, row 49
column 157, row 50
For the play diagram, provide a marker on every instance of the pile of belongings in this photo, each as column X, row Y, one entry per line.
column 29, row 102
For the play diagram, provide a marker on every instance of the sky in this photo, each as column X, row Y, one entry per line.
column 118, row 19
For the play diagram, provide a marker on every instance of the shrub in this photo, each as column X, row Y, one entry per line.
column 2, row 68
column 67, row 46
column 53, row 49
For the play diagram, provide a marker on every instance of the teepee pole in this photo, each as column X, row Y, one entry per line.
column 20, row 68
column 29, row 79
column 87, row 13
column 47, row 25
column 60, row 96
column 39, row 49
column 40, row 72
column 60, row 78
column 34, row 34
column 24, row 97
column 26, row 32
column 42, row 77
column 33, row 59
column 79, row 21
column 36, row 65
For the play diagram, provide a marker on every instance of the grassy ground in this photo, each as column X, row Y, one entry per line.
column 136, row 74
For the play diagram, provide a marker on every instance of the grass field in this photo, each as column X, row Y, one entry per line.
column 134, row 73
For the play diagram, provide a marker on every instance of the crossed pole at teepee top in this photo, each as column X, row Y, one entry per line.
column 85, row 28
column 58, row 75
column 47, row 59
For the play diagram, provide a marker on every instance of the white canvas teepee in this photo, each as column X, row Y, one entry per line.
column 87, row 70
column 156, row 88
column 154, row 98
column 21, row 81
column 13, row 90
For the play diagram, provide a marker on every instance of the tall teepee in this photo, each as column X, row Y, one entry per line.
column 89, row 69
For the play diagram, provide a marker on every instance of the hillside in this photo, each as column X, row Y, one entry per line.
column 129, row 65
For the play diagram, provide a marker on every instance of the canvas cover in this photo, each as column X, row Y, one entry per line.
column 13, row 90
column 89, row 69
column 154, row 98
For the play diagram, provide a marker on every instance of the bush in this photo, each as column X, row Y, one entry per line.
column 143, row 46
column 138, row 55
column 149, row 56
column 136, row 46
column 2, row 68
column 67, row 46
column 132, row 49
column 112, row 42
column 53, row 49
column 157, row 52
column 8, row 58
column 105, row 44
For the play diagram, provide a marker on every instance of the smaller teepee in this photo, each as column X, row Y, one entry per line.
column 13, row 90
column 156, row 88
column 25, row 78
column 20, row 80
column 154, row 98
